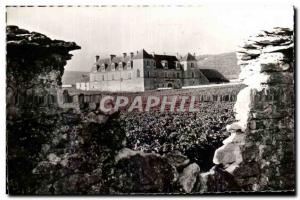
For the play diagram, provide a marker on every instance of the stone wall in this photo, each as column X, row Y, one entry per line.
column 259, row 154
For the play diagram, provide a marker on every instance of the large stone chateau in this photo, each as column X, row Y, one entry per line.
column 143, row 71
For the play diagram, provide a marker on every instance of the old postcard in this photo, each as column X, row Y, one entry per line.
column 167, row 100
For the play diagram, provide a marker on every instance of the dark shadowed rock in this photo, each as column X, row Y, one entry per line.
column 218, row 180
column 142, row 173
column 176, row 159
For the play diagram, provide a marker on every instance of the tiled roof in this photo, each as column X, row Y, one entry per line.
column 107, row 61
column 142, row 54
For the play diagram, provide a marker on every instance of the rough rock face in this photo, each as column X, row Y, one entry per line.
column 137, row 172
column 260, row 151
column 79, row 156
column 189, row 177
column 35, row 65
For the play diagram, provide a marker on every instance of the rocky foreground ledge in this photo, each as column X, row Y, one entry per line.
column 19, row 40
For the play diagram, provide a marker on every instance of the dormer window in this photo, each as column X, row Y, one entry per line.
column 120, row 66
column 102, row 67
column 128, row 65
column 164, row 63
column 113, row 67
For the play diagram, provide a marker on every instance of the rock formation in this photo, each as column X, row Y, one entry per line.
column 259, row 154
column 35, row 64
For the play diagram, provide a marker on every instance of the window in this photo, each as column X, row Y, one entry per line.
column 138, row 73
column 164, row 63
column 148, row 74
column 131, row 64
column 166, row 75
column 112, row 77
column 192, row 65
column 102, row 77
column 120, row 66
column 178, row 75
column 129, row 76
column 193, row 75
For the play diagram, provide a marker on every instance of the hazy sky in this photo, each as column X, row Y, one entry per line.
column 114, row 30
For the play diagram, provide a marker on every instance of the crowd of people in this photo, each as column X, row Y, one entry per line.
column 194, row 134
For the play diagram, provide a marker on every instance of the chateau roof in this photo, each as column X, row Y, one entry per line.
column 170, row 59
column 188, row 57
column 142, row 54
column 117, row 60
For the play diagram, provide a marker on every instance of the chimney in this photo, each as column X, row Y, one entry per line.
column 112, row 56
column 124, row 55
column 97, row 58
column 131, row 54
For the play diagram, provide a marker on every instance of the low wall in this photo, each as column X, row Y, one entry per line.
column 215, row 93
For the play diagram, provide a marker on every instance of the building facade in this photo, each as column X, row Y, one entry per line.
column 143, row 71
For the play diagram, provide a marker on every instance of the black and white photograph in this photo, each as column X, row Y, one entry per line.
column 150, row 100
